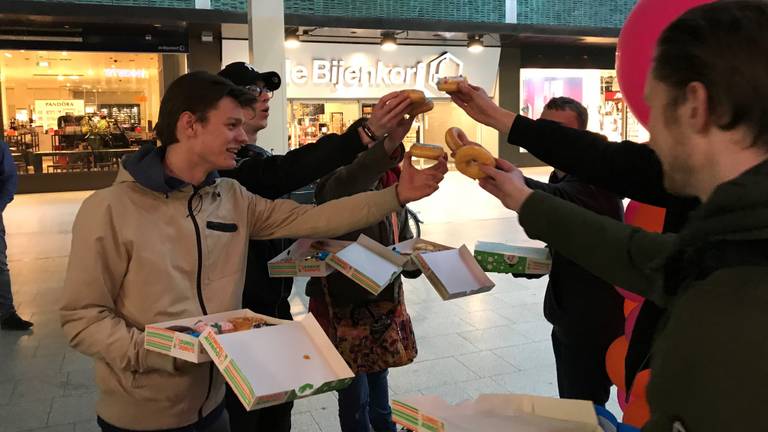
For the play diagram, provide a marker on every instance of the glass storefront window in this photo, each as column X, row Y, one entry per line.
column 597, row 90
column 77, row 111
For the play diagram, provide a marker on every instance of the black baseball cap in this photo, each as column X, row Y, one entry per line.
column 243, row 75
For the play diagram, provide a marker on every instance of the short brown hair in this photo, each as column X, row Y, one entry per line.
column 197, row 93
column 724, row 46
column 563, row 103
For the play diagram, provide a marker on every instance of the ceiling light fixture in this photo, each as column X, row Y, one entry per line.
column 42, row 63
column 388, row 41
column 292, row 39
column 475, row 43
column 9, row 55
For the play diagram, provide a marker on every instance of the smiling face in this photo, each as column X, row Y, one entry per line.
column 215, row 142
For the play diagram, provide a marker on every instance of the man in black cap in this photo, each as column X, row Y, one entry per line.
column 272, row 177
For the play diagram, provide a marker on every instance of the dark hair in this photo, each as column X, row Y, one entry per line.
column 563, row 103
column 197, row 93
column 724, row 46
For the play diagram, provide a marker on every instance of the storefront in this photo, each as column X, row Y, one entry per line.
column 329, row 86
column 76, row 111
column 596, row 89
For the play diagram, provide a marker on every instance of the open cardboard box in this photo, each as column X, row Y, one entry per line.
column 157, row 337
column 300, row 259
column 453, row 273
column 369, row 263
column 496, row 413
column 503, row 258
column 272, row 365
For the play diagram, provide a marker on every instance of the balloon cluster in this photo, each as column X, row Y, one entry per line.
column 635, row 407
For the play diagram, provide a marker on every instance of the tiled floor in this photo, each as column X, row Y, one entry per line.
column 488, row 343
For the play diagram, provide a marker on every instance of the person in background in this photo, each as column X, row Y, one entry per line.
column 273, row 176
column 9, row 319
column 586, row 312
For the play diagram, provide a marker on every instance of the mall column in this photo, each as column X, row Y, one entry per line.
column 267, row 47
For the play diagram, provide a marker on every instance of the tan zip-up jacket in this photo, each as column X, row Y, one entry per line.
column 140, row 257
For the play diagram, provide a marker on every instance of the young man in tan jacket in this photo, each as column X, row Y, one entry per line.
column 168, row 241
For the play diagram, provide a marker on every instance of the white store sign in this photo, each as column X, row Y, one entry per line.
column 346, row 71
column 49, row 111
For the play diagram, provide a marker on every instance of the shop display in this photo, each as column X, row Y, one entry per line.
column 450, row 84
column 427, row 151
column 125, row 115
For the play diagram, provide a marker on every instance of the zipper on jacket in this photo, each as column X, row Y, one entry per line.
column 199, row 286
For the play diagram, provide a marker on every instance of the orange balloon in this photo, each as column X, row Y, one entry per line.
column 614, row 361
column 628, row 306
column 645, row 216
column 640, row 384
column 637, row 413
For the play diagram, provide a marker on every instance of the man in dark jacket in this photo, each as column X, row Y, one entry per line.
column 273, row 177
column 708, row 127
column 585, row 311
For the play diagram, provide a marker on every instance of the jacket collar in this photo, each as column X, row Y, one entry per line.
column 145, row 167
column 737, row 210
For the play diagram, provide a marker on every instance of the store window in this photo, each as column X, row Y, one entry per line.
column 597, row 90
column 77, row 111
column 310, row 120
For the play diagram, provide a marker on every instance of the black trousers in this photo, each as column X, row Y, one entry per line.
column 581, row 370
column 276, row 418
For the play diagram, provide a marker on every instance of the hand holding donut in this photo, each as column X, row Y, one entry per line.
column 478, row 105
column 416, row 184
column 506, row 182
column 388, row 112
column 468, row 155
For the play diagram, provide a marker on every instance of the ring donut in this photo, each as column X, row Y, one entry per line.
column 469, row 158
column 419, row 102
column 450, row 84
column 427, row 151
column 455, row 138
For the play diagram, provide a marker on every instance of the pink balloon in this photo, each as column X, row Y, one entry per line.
column 634, row 298
column 629, row 322
column 637, row 43
column 622, row 396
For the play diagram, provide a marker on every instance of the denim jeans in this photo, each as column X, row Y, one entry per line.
column 6, row 297
column 365, row 403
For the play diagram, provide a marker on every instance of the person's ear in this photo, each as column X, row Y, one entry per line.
column 694, row 111
column 186, row 126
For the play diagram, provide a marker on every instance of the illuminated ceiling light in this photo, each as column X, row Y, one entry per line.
column 475, row 43
column 90, row 72
column 9, row 55
column 60, row 77
column 388, row 41
column 292, row 39
column 42, row 63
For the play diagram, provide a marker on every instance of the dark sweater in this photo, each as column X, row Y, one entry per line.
column 625, row 168
column 709, row 363
column 582, row 307
column 272, row 177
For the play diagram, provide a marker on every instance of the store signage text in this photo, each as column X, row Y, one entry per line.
column 125, row 73
column 373, row 74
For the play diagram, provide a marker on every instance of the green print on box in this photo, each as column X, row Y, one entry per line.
column 502, row 258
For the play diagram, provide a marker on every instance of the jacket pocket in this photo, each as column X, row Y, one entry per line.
column 224, row 250
column 221, row 226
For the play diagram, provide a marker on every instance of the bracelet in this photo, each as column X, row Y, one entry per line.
column 369, row 132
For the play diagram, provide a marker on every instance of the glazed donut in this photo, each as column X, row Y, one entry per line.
column 427, row 151
column 469, row 158
column 419, row 102
column 421, row 108
column 455, row 138
column 450, row 84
